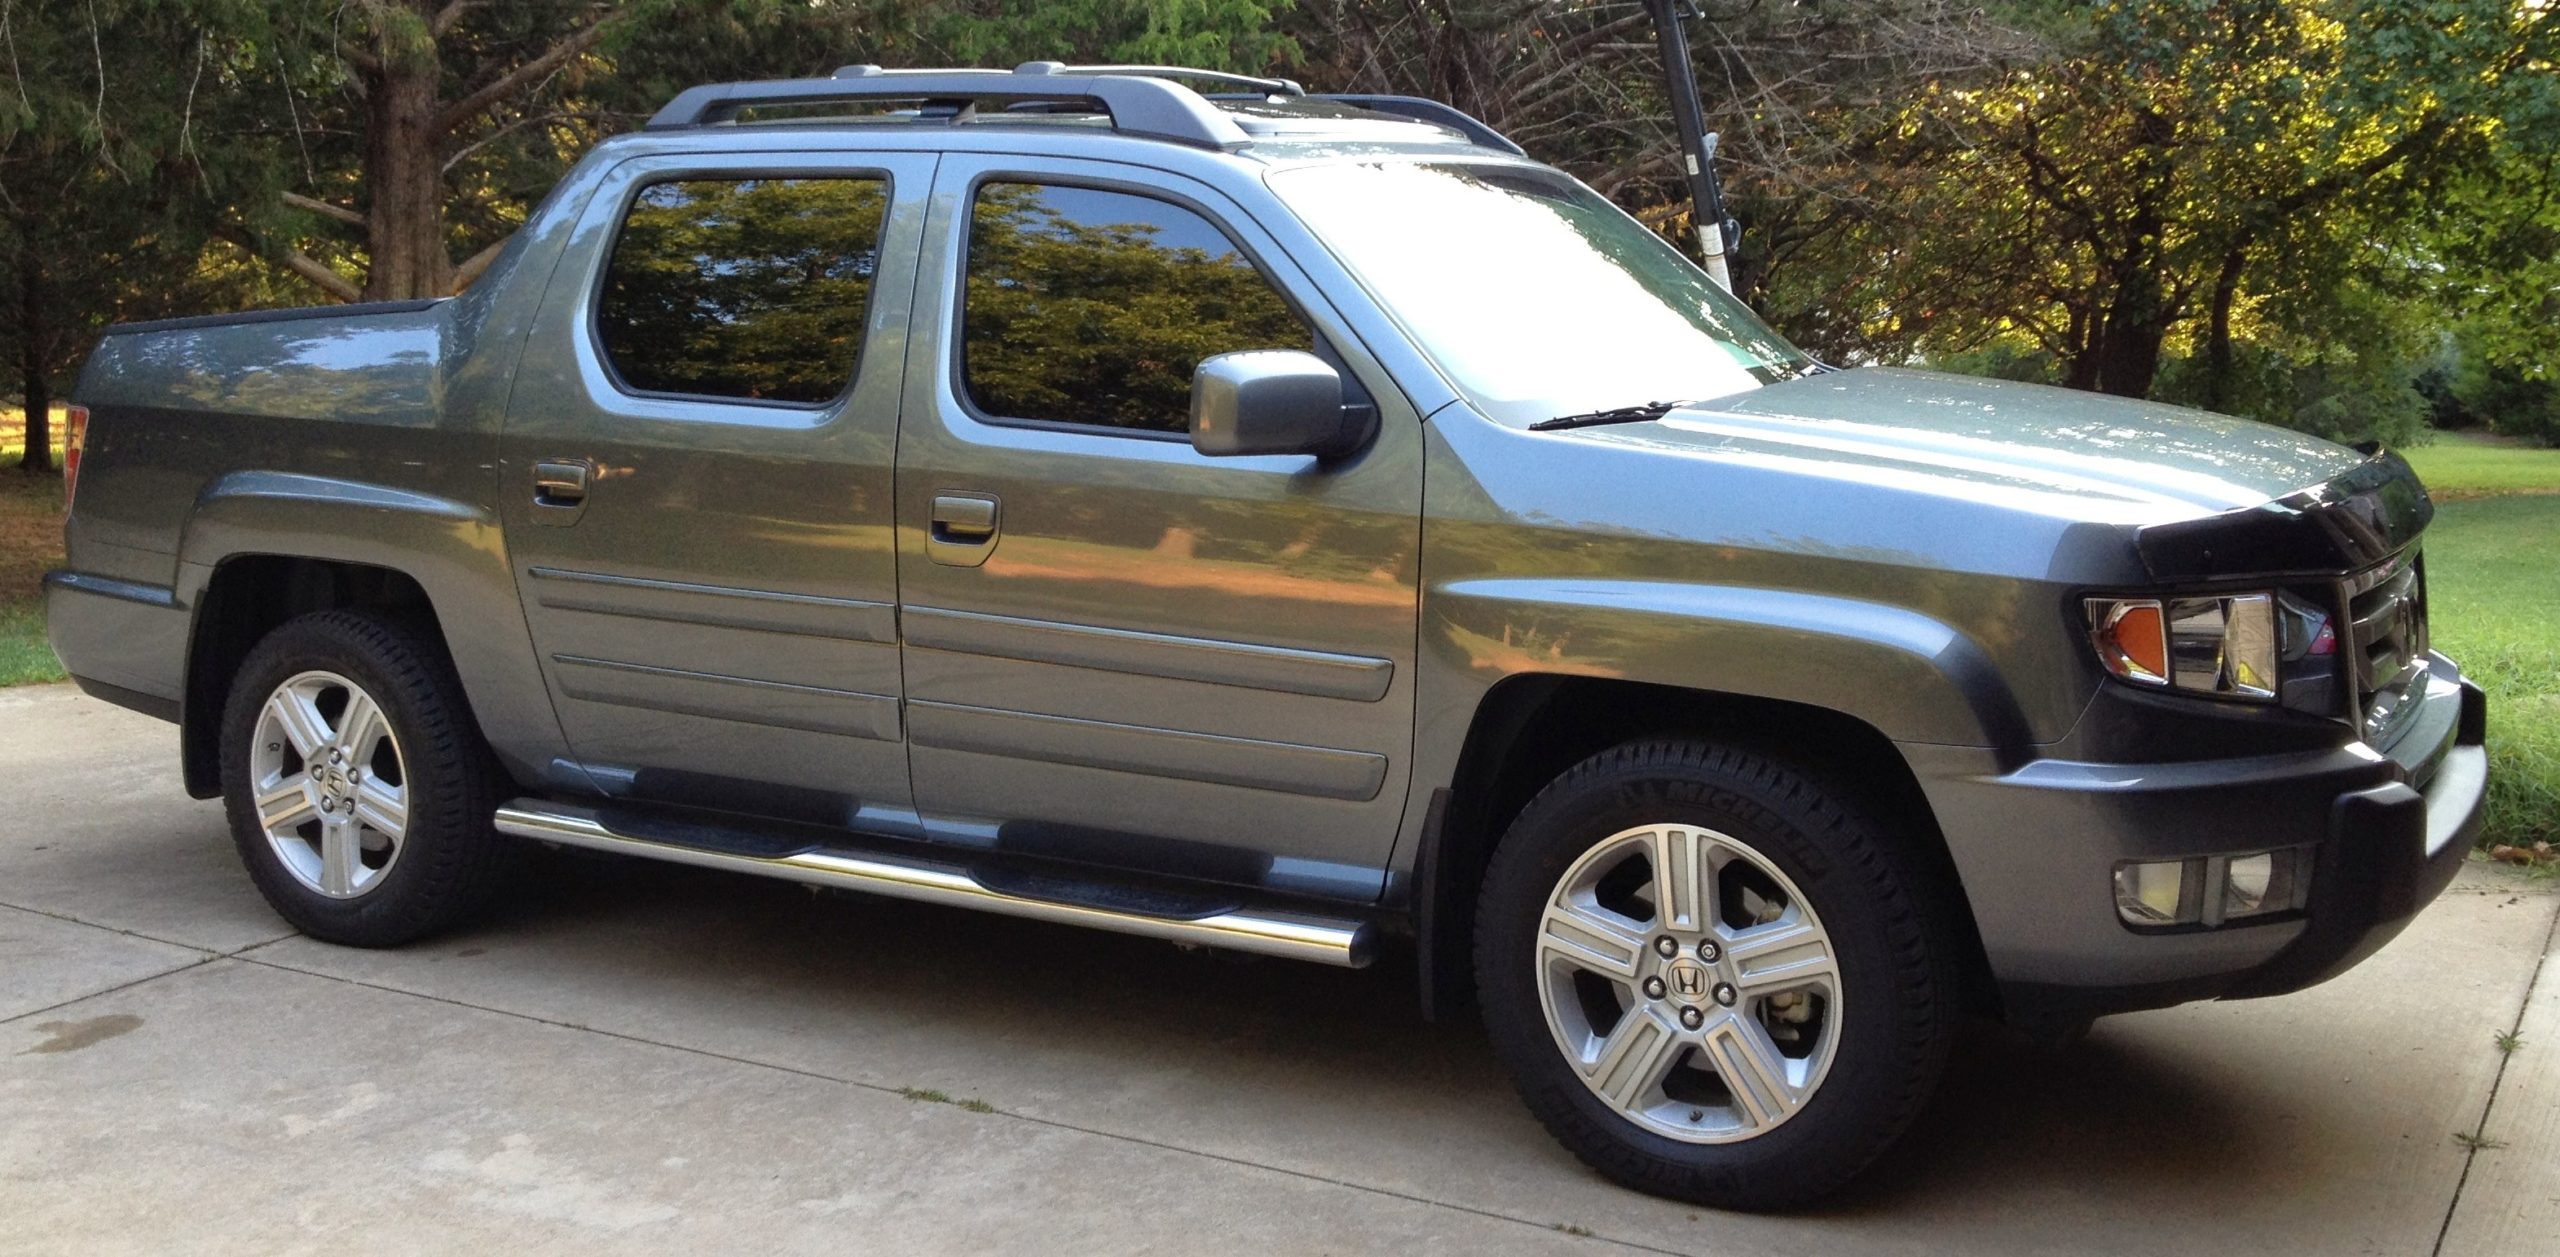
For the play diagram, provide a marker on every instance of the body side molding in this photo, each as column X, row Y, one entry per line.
column 721, row 606
column 1285, row 767
column 1317, row 674
column 718, row 696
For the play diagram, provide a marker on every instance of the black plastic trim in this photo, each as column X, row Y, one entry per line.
column 151, row 705
column 2365, row 515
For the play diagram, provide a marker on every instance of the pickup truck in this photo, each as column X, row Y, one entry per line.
column 1294, row 524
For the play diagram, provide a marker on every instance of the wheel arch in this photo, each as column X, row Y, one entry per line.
column 246, row 597
column 1502, row 766
column 314, row 543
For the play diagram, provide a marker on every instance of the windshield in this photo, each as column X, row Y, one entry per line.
column 1538, row 297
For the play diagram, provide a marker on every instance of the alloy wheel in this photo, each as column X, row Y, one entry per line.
column 330, row 785
column 1688, row 983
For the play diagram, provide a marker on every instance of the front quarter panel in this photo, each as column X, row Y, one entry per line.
column 1933, row 619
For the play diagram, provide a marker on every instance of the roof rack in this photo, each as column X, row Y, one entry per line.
column 1138, row 99
column 1268, row 86
column 1424, row 109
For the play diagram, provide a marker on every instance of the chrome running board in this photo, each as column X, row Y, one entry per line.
column 1292, row 936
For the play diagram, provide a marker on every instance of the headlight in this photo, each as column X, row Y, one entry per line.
column 2225, row 646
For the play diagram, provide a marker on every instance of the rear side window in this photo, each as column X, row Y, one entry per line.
column 752, row 289
column 1092, row 307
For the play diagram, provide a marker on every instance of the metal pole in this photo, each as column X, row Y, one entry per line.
column 1697, row 148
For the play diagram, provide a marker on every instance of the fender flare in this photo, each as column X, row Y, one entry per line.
column 454, row 550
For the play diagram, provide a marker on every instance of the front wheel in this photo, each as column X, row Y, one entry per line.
column 1710, row 978
column 358, row 789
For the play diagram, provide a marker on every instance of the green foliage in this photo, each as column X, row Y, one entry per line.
column 1210, row 34
column 2340, row 394
column 2008, row 359
column 2275, row 207
column 2507, row 401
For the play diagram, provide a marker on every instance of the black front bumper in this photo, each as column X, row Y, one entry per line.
column 2392, row 849
column 2037, row 846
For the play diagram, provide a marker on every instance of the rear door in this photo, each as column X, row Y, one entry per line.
column 1119, row 651
column 697, row 481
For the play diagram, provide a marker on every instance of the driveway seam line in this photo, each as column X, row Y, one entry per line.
column 197, row 963
column 885, row 1089
column 148, row 938
column 2471, row 1155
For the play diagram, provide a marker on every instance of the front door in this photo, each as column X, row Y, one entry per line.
column 1119, row 651
column 697, row 482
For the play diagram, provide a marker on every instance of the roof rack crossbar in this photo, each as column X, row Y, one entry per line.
column 1424, row 109
column 1137, row 105
column 1268, row 86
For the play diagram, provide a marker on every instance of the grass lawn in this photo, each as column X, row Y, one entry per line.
column 2493, row 603
column 2459, row 466
column 30, row 542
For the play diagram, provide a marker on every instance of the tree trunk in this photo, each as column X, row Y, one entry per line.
column 404, row 174
column 2080, row 365
column 38, row 389
column 2217, row 338
column 2128, row 348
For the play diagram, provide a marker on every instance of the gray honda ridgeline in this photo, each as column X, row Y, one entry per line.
column 1264, row 521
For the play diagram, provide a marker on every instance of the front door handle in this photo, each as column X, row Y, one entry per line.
column 962, row 531
column 560, row 490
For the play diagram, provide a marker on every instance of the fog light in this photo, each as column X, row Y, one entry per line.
column 2213, row 890
column 2158, row 893
column 2269, row 881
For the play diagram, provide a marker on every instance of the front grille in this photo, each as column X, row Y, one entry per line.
column 2385, row 642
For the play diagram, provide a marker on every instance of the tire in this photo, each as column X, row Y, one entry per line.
column 1822, row 1071
column 420, row 854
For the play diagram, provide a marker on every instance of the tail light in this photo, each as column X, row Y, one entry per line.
column 75, row 437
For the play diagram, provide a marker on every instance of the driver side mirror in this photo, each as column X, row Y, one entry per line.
column 1274, row 401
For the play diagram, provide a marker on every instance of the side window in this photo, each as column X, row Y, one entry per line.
column 1093, row 307
column 754, row 289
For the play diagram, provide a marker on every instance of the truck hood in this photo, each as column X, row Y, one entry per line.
column 2059, row 451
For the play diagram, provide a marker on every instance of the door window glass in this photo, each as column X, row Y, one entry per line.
column 754, row 289
column 1092, row 307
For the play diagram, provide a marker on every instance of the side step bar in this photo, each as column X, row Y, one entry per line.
column 1292, row 936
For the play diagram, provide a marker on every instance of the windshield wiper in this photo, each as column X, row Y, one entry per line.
column 1619, row 414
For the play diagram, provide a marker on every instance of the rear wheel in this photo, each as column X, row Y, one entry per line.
column 358, row 789
column 1710, row 978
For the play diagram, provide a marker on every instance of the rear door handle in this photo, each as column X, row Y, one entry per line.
column 560, row 490
column 962, row 531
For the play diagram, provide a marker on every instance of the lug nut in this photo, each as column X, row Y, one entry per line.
column 1709, row 952
column 1666, row 946
column 1654, row 989
column 1692, row 1018
column 1725, row 994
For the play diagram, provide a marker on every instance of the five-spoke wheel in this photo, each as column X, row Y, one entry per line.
column 1689, row 983
column 1711, row 977
column 331, row 789
column 359, row 790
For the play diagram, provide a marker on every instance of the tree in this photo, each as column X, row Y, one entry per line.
column 2170, row 176
column 108, row 181
column 425, row 129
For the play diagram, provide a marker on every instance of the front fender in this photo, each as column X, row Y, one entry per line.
column 1911, row 677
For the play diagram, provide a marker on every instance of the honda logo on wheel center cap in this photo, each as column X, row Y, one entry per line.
column 1688, row 980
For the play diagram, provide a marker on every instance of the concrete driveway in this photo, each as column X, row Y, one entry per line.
column 645, row 1058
